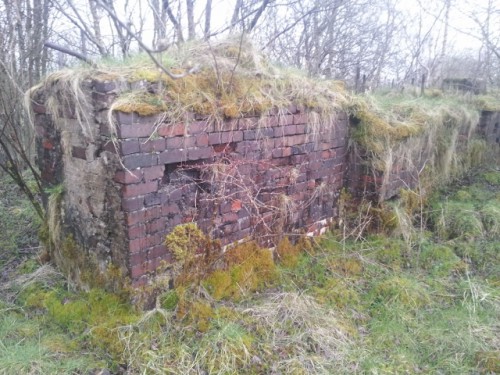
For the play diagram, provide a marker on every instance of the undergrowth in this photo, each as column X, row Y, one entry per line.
column 358, row 303
column 19, row 225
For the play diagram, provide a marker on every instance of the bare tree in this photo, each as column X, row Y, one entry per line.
column 24, row 24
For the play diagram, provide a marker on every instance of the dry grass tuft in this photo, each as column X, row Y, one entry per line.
column 314, row 335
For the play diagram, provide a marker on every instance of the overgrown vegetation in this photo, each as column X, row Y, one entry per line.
column 18, row 222
column 353, row 303
column 231, row 79
column 430, row 136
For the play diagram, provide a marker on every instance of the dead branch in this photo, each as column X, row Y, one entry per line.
column 67, row 51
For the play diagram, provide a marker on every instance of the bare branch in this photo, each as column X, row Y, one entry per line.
column 148, row 50
column 67, row 51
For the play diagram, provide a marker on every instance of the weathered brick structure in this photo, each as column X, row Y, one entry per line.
column 128, row 180
column 489, row 128
column 255, row 176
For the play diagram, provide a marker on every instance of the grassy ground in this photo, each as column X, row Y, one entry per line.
column 425, row 300
column 19, row 226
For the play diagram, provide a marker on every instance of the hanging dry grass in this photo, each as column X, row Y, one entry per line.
column 431, row 135
column 231, row 79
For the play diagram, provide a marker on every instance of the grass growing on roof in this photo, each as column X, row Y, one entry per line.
column 432, row 136
column 232, row 79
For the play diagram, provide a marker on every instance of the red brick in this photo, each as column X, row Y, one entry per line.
column 132, row 204
column 290, row 129
column 47, row 144
column 130, row 146
column 170, row 209
column 230, row 217
column 225, row 137
column 153, row 173
column 152, row 199
column 236, row 205
column 110, row 147
column 176, row 142
column 197, row 127
column 290, row 140
column 202, row 140
column 136, row 130
column 137, row 259
column 248, row 123
column 142, row 216
column 156, row 225
column 169, row 130
column 152, row 145
column 137, row 245
column 292, row 109
column 136, row 231
column 128, row 177
column 137, row 271
column 301, row 129
column 154, row 240
column 200, row 153
column 139, row 160
column 215, row 138
column 158, row 251
column 285, row 120
column 277, row 153
column 172, row 156
column 301, row 118
column 152, row 265
column 139, row 189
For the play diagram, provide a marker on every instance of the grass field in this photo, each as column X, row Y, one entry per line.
column 424, row 298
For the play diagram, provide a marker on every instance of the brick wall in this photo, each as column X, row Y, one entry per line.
column 251, row 177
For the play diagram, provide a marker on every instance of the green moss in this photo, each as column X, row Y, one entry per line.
column 287, row 253
column 169, row 300
column 391, row 254
column 403, row 291
column 441, row 260
column 200, row 314
column 338, row 293
column 220, row 284
column 142, row 103
column 492, row 177
column 349, row 267
column 488, row 361
column 184, row 242
column 248, row 268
